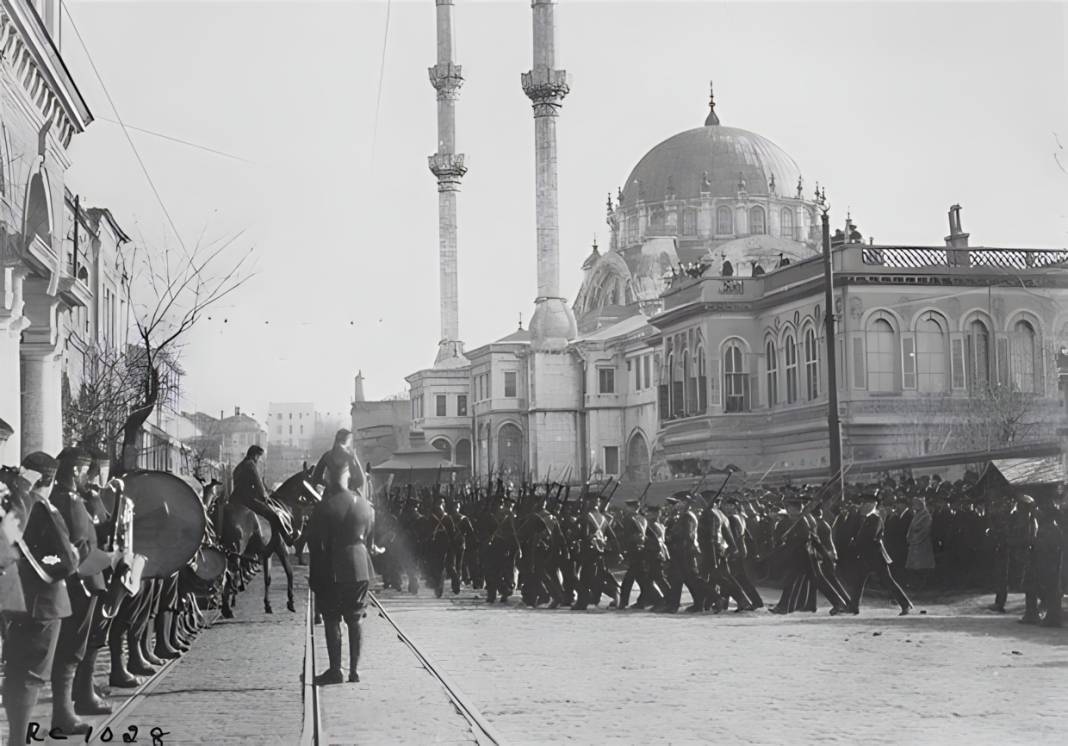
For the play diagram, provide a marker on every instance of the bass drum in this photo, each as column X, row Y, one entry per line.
column 211, row 564
column 169, row 521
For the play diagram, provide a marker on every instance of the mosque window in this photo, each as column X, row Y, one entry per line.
column 977, row 355
column 757, row 222
column 439, row 405
column 509, row 384
column 882, row 368
column 812, row 365
column 786, row 224
column 606, row 380
column 1025, row 366
column 772, row 359
column 611, row 460
column 930, row 351
column 724, row 221
column 689, row 222
column 790, row 351
column 461, row 405
column 735, row 380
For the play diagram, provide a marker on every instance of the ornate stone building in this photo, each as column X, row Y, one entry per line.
column 41, row 109
column 700, row 337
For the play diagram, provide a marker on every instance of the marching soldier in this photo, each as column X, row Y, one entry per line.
column 542, row 539
column 654, row 561
column 501, row 552
column 439, row 534
column 744, row 549
column 594, row 578
column 632, row 532
column 685, row 556
column 462, row 538
column 873, row 557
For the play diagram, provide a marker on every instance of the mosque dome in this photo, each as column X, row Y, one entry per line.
column 713, row 159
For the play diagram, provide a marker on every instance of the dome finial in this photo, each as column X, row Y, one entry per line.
column 712, row 120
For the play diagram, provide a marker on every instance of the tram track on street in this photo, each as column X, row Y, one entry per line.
column 480, row 727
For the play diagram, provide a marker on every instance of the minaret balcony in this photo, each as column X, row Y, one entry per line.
column 447, row 166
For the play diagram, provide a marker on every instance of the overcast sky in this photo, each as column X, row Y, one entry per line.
column 899, row 109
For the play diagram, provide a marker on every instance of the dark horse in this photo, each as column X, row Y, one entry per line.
column 248, row 537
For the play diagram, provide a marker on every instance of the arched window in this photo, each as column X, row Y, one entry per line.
column 685, row 381
column 671, row 392
column 445, row 447
column 812, row 365
column 689, row 222
column 724, row 221
column 1024, row 363
column 735, row 380
column 882, row 367
column 773, row 373
column 701, row 381
column 786, row 223
column 757, row 222
column 931, row 354
column 791, row 369
column 977, row 353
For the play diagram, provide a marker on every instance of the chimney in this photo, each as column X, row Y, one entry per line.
column 222, row 414
column 957, row 239
column 359, row 388
column 237, row 411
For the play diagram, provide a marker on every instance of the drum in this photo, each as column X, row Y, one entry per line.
column 169, row 521
column 211, row 564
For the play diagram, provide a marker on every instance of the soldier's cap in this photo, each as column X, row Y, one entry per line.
column 632, row 501
column 74, row 456
column 42, row 463
column 709, row 496
column 1025, row 499
column 671, row 500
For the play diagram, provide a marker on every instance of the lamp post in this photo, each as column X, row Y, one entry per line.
column 834, row 429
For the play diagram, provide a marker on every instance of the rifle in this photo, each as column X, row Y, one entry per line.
column 709, row 470
column 641, row 499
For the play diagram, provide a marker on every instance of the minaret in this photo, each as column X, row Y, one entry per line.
column 553, row 323
column 448, row 167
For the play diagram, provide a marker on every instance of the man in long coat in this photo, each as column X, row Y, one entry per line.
column 340, row 539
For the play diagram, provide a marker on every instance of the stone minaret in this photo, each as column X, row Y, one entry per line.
column 553, row 323
column 448, row 167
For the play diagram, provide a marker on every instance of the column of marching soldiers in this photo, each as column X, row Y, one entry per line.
column 69, row 588
column 535, row 540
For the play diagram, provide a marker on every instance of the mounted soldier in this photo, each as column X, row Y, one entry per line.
column 249, row 491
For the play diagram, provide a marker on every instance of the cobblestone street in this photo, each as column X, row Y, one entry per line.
column 952, row 675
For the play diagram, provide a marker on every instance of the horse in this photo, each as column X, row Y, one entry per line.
column 248, row 537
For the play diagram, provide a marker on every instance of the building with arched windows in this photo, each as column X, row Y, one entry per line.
column 702, row 337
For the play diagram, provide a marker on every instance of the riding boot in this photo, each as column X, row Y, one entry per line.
column 63, row 716
column 163, row 648
column 121, row 678
column 86, row 701
column 19, row 700
column 144, row 645
column 354, row 648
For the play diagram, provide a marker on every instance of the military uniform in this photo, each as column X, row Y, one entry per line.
column 31, row 635
column 873, row 558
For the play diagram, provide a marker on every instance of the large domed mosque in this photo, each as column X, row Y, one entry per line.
column 701, row 339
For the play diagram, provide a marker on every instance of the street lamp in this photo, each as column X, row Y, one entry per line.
column 834, row 429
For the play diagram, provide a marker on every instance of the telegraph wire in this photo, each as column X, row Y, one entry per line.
column 381, row 77
column 178, row 140
column 125, row 131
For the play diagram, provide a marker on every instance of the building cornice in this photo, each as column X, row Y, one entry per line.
column 34, row 61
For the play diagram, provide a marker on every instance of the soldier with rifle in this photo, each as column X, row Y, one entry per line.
column 655, row 560
column 542, row 540
column 595, row 534
column 502, row 550
column 685, row 556
column 632, row 538
column 462, row 537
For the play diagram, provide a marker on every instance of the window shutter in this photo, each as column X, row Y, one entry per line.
column 664, row 414
column 676, row 391
column 956, row 347
column 859, row 369
column 753, row 400
column 691, row 396
column 908, row 361
column 1003, row 360
column 702, row 394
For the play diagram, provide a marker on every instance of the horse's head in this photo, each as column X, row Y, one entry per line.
column 13, row 478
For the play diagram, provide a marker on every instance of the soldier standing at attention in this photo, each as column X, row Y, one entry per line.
column 83, row 587
column 340, row 546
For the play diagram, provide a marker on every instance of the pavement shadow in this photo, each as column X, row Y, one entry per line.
column 1002, row 627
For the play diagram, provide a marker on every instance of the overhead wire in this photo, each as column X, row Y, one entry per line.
column 125, row 130
column 381, row 79
column 178, row 140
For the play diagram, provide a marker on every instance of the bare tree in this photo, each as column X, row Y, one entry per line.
column 172, row 293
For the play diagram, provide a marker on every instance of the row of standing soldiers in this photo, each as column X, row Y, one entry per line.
column 62, row 596
column 560, row 552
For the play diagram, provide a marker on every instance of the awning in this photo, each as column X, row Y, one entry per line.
column 418, row 460
column 1021, row 472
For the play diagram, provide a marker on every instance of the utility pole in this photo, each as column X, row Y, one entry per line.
column 834, row 428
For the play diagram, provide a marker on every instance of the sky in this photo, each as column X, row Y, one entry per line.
column 900, row 110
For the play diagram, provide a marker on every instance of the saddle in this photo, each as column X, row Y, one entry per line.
column 284, row 516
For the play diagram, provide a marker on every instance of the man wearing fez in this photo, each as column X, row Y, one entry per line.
column 340, row 542
column 31, row 634
column 83, row 586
